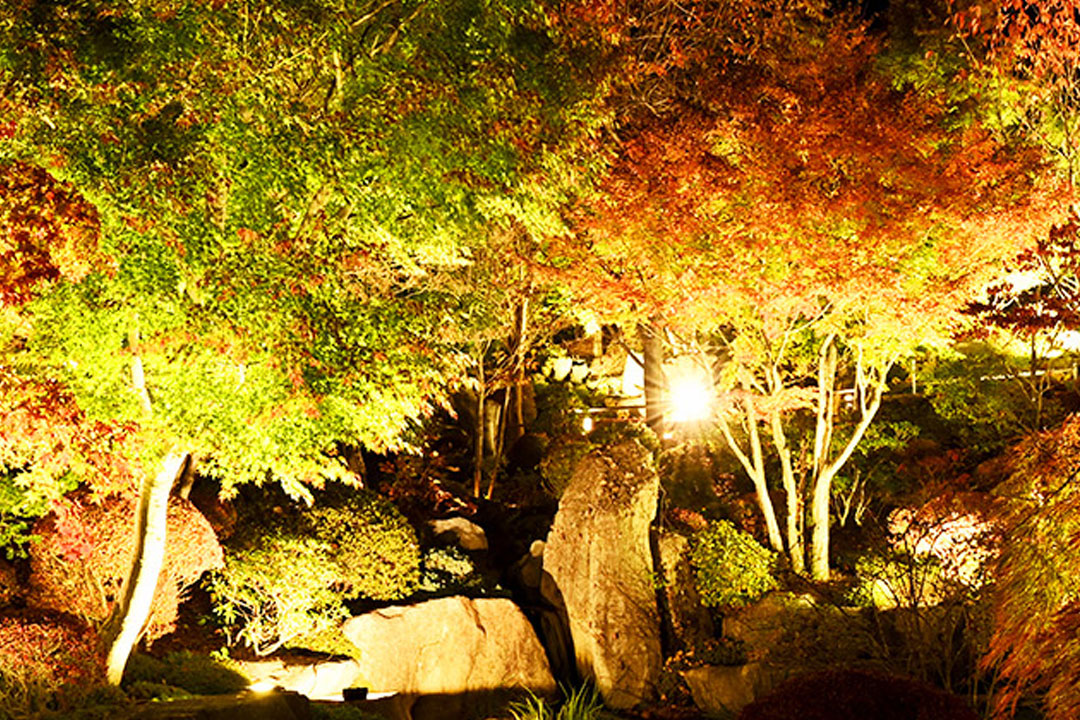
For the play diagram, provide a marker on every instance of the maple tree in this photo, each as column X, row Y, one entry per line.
column 1033, row 644
column 1035, row 307
column 285, row 193
column 1028, row 55
column 49, row 234
column 811, row 216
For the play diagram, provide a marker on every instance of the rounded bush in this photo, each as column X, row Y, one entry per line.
column 373, row 545
column 857, row 695
column 287, row 582
column 85, row 552
column 730, row 567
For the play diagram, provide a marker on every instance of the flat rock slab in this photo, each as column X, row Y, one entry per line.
column 318, row 680
column 274, row 705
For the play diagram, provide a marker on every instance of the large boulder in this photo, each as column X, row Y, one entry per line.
column 761, row 625
column 462, row 532
column 451, row 654
column 599, row 566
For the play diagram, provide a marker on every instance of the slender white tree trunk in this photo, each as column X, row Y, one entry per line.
column 754, row 464
column 131, row 613
column 791, row 492
column 869, row 388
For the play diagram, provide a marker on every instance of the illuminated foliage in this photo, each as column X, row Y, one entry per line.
column 819, row 217
column 284, row 190
column 287, row 584
column 731, row 568
column 1034, row 646
column 1028, row 55
column 84, row 554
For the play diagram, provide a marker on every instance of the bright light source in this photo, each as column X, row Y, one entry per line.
column 587, row 424
column 691, row 400
column 690, row 391
column 262, row 686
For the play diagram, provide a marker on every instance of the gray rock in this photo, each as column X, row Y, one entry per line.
column 598, row 565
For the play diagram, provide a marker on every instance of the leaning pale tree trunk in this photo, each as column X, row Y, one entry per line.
column 869, row 388
column 129, row 616
column 131, row 613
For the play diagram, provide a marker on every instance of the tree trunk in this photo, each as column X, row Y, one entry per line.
column 819, row 523
column 481, row 429
column 653, row 352
column 754, row 465
column 131, row 613
column 791, row 492
column 868, row 392
column 507, row 434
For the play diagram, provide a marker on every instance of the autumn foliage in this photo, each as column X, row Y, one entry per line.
column 1036, row 617
column 47, row 661
column 797, row 174
column 44, row 432
column 47, row 231
column 85, row 553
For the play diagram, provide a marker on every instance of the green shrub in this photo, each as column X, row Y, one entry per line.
column 288, row 584
column 580, row 703
column 730, row 567
column 448, row 568
column 104, row 702
column 178, row 674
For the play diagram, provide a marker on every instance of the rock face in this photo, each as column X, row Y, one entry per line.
column 449, row 653
column 465, row 533
column 687, row 619
column 599, row 566
column 721, row 689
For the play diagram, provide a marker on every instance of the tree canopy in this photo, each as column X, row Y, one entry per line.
column 817, row 215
